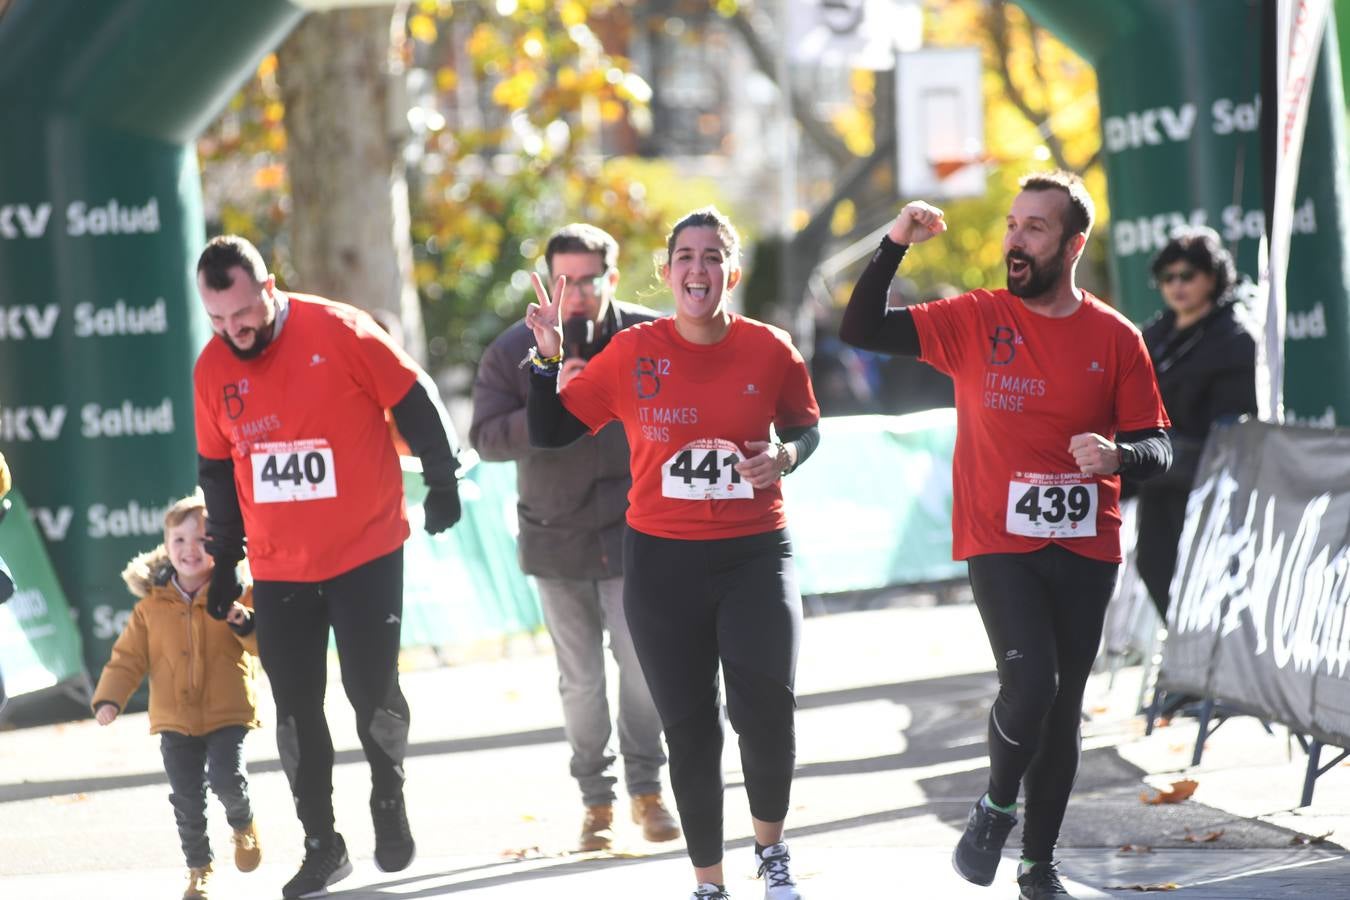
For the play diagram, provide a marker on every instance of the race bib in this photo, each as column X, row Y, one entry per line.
column 705, row 470
column 1051, row 506
column 293, row 470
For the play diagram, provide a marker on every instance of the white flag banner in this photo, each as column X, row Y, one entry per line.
column 1300, row 26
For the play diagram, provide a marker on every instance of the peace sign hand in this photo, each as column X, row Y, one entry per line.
column 545, row 318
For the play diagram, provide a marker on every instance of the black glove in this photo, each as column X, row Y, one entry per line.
column 441, row 508
column 223, row 590
column 247, row 627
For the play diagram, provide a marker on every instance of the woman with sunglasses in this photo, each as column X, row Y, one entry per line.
column 1205, row 359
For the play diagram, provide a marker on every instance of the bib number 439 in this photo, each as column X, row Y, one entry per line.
column 293, row 470
column 1052, row 510
column 705, row 470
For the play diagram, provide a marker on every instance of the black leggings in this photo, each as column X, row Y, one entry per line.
column 690, row 606
column 364, row 607
column 1162, row 518
column 1043, row 612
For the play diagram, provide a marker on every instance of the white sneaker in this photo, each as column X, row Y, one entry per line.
column 773, row 868
column 708, row 891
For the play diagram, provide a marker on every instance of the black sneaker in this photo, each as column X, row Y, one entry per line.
column 394, row 845
column 1041, row 882
column 977, row 853
column 326, row 863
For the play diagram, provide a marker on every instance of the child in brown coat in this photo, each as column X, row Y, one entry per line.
column 202, row 699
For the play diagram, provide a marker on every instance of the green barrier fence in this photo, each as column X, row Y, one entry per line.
column 465, row 586
column 870, row 510
column 39, row 643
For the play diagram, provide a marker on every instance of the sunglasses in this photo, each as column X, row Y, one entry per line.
column 1185, row 276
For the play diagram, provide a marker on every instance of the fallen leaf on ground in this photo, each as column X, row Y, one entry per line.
column 523, row 853
column 1145, row 888
column 1134, row 849
column 1206, row 838
column 1300, row 840
column 1179, row 791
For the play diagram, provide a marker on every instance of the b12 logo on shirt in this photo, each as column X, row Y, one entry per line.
column 647, row 376
column 233, row 396
column 1003, row 345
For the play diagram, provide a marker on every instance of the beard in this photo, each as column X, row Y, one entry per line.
column 262, row 337
column 1040, row 277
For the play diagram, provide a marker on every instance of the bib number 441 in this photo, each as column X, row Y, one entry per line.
column 705, row 470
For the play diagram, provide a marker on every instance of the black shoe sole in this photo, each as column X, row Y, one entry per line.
column 387, row 869
column 972, row 879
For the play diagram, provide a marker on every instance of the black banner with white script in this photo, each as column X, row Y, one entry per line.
column 1260, row 613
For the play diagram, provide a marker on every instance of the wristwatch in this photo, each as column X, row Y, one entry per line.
column 782, row 458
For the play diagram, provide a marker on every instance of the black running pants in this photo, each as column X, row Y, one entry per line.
column 364, row 609
column 694, row 607
column 1043, row 612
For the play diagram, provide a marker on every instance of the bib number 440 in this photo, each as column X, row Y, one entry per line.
column 289, row 471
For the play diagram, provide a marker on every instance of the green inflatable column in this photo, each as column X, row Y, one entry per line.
column 100, row 226
column 1179, row 84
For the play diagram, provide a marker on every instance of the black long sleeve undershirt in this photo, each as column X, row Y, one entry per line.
column 224, row 519
column 867, row 323
column 551, row 425
column 1144, row 453
column 429, row 434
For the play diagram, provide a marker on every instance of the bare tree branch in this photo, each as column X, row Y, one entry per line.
column 813, row 128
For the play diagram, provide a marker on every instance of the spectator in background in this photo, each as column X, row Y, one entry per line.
column 1205, row 357
column 571, row 512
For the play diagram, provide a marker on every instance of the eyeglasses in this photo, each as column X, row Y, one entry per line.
column 589, row 285
column 1185, row 276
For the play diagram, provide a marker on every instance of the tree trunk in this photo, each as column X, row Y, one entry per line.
column 341, row 83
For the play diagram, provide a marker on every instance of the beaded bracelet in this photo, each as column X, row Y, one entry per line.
column 544, row 365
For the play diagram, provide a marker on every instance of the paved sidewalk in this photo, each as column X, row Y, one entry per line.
column 891, row 753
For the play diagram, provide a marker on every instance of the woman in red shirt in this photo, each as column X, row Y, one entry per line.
column 709, row 580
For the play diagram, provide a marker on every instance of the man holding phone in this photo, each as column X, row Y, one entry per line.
column 571, row 515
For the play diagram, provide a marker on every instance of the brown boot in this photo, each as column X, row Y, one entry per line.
column 247, row 850
column 199, row 883
column 597, row 829
column 656, row 821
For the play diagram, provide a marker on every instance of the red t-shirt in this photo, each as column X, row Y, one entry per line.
column 318, row 479
column 688, row 410
column 1025, row 384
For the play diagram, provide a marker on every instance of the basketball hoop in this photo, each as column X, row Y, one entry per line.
column 947, row 167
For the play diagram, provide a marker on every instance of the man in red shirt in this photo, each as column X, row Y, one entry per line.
column 1055, row 398
column 299, row 473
